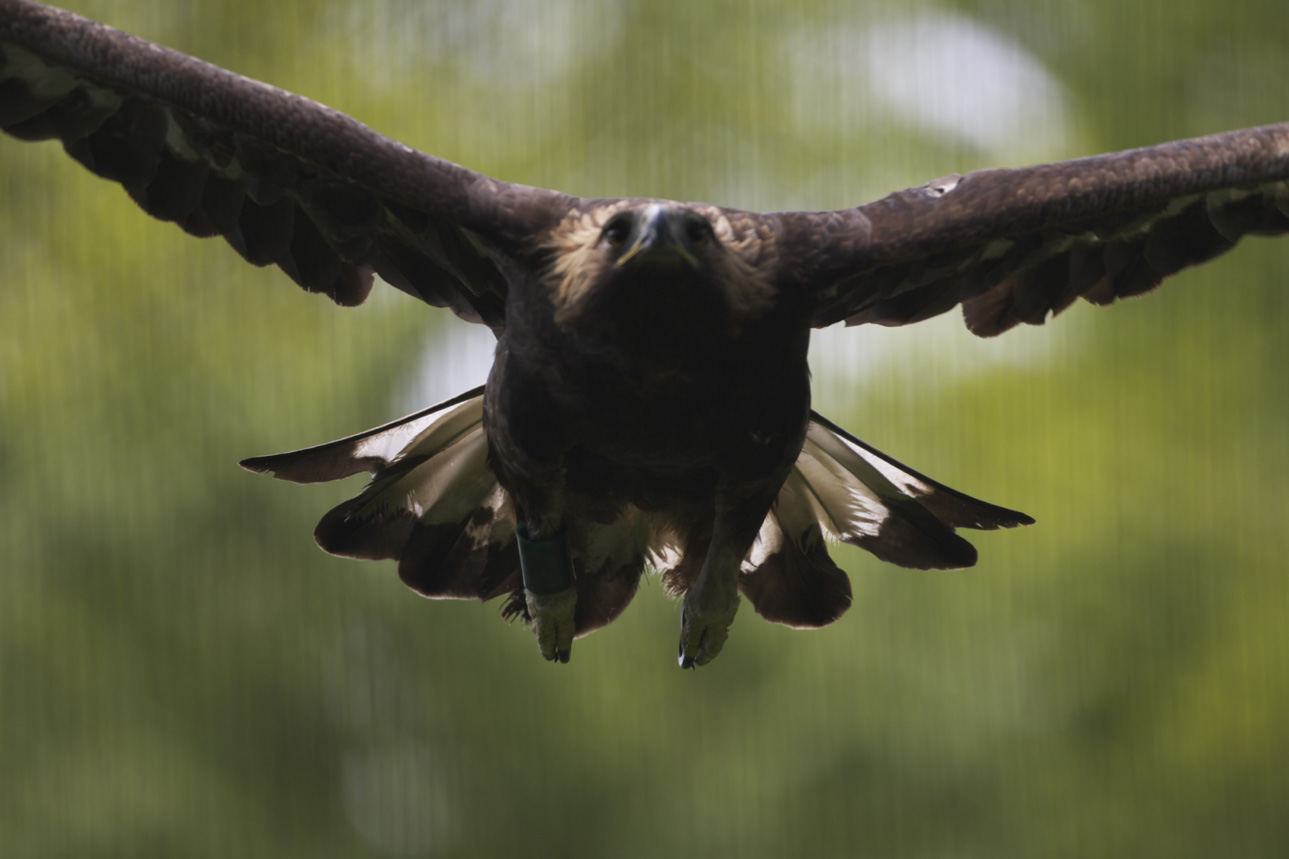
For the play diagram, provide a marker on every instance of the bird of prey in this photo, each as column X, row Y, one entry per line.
column 649, row 404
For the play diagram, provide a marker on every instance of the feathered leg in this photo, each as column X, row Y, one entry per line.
column 549, row 591
column 526, row 451
column 712, row 600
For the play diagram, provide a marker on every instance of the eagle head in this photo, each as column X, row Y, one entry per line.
column 631, row 261
column 658, row 237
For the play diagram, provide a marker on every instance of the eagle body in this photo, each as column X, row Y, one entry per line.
column 655, row 390
column 648, row 417
column 648, row 408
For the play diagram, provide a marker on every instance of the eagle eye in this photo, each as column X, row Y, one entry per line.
column 697, row 232
column 616, row 231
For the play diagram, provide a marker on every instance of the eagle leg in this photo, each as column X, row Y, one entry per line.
column 553, row 622
column 707, row 613
column 549, row 592
column 712, row 600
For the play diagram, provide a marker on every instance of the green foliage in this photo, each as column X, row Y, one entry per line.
column 182, row 673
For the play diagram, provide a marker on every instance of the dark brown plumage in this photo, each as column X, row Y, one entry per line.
column 649, row 404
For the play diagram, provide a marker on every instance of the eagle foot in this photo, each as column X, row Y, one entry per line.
column 552, row 621
column 548, row 591
column 704, row 628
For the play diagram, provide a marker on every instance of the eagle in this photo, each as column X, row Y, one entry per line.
column 648, row 408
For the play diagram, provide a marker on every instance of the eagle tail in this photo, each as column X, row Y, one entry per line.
column 844, row 489
column 435, row 506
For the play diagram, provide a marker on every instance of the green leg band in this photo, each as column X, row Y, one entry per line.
column 545, row 563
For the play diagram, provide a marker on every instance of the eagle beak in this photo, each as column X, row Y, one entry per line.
column 657, row 240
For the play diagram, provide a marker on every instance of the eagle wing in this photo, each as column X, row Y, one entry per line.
column 283, row 179
column 1014, row 246
column 290, row 182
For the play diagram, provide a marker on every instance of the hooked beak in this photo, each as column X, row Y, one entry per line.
column 659, row 241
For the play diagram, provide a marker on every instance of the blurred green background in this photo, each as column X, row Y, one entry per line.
column 182, row 673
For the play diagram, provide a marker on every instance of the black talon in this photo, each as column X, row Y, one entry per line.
column 681, row 658
column 563, row 656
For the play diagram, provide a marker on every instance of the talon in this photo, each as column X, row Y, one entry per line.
column 703, row 631
column 553, row 622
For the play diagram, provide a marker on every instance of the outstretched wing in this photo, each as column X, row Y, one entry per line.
column 282, row 178
column 1014, row 246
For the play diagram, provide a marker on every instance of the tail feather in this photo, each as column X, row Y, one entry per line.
column 435, row 485
column 847, row 490
column 373, row 450
column 471, row 557
column 789, row 577
column 892, row 480
column 435, row 506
